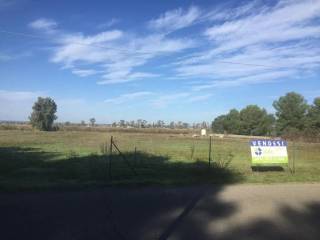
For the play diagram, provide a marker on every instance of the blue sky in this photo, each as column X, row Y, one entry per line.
column 168, row 60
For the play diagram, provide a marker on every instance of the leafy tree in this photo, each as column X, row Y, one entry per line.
column 218, row 124
column 251, row 120
column 141, row 123
column 43, row 114
column 229, row 123
column 291, row 111
column 314, row 115
column 255, row 121
column 160, row 124
column 92, row 121
column 122, row 123
column 185, row 125
column 179, row 124
column 132, row 123
column 232, row 122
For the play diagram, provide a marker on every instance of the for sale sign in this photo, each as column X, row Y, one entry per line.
column 269, row 152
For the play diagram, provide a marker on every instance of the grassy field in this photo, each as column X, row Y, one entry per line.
column 73, row 159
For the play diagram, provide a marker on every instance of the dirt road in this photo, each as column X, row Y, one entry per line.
column 282, row 211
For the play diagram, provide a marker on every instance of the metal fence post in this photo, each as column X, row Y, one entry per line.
column 294, row 157
column 110, row 157
column 135, row 155
column 210, row 151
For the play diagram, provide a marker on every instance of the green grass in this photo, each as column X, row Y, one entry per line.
column 31, row 160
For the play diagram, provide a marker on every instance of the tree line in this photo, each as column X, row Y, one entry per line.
column 44, row 113
column 293, row 115
column 141, row 123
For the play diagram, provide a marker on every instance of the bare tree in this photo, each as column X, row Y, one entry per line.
column 92, row 121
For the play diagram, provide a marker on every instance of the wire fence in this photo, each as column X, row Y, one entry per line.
column 139, row 154
column 160, row 157
column 175, row 149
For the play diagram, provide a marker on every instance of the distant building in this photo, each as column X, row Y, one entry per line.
column 203, row 132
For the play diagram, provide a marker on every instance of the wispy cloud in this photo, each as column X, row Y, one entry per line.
column 84, row 72
column 288, row 20
column 272, row 42
column 175, row 19
column 47, row 25
column 109, row 23
column 128, row 97
column 116, row 53
column 228, row 12
column 247, row 80
column 124, row 76
column 236, row 45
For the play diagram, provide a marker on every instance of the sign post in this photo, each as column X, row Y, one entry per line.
column 267, row 152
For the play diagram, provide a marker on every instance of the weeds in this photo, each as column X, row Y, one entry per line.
column 192, row 150
column 223, row 160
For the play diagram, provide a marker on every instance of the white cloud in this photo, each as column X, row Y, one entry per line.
column 247, row 80
column 175, row 19
column 102, row 37
column 288, row 20
column 44, row 24
column 123, row 76
column 109, row 23
column 116, row 54
column 128, row 97
column 84, row 72
column 227, row 12
column 90, row 49
column 235, row 45
column 264, row 45
column 117, row 64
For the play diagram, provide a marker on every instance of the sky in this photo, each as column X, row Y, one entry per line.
column 172, row 60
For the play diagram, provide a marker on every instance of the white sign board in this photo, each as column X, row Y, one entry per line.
column 268, row 152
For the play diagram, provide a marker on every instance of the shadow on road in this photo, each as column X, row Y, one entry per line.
column 292, row 224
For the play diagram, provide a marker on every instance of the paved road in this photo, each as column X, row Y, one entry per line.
column 282, row 211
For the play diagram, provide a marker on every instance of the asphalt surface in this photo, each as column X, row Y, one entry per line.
column 282, row 211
